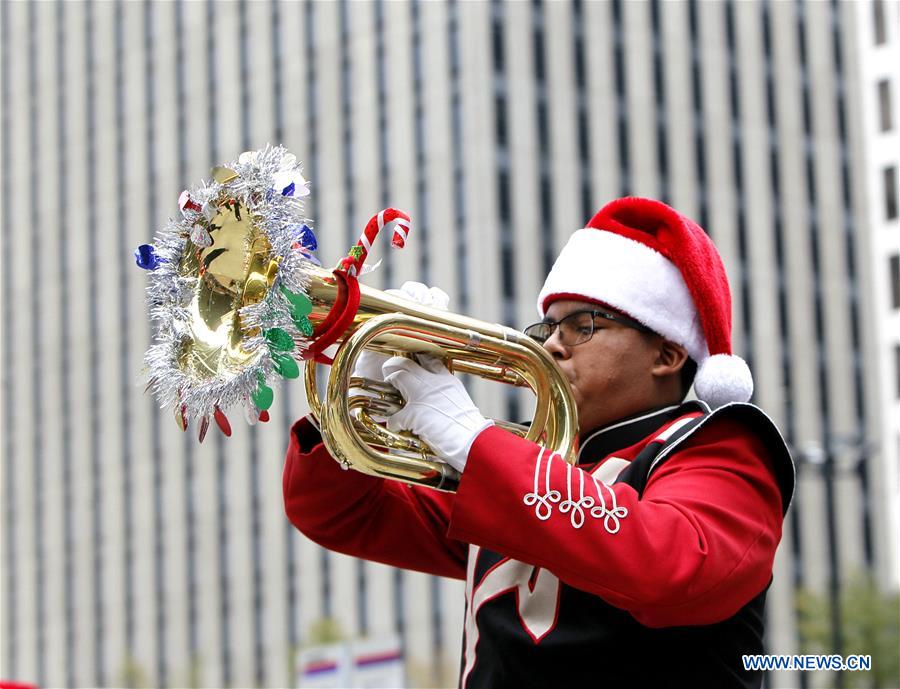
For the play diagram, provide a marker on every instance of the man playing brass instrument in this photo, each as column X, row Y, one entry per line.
column 647, row 563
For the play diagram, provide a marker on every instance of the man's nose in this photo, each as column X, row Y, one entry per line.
column 555, row 347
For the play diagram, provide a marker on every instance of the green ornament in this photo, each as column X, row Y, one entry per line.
column 356, row 251
column 263, row 396
column 304, row 326
column 300, row 303
column 285, row 366
column 279, row 340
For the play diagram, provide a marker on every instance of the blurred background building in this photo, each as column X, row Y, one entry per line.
column 133, row 556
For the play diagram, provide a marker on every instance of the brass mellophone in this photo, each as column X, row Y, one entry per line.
column 394, row 325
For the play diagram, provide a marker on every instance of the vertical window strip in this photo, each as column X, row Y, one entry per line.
column 192, row 607
column 582, row 110
column 125, row 372
column 99, row 615
column 423, row 227
column 222, row 507
column 819, row 321
column 812, row 213
column 65, row 382
column 212, row 83
column 188, row 439
column 889, row 191
column 312, row 128
column 437, row 630
column 245, row 76
column 277, row 72
column 885, row 106
column 152, row 179
column 659, row 92
column 788, row 414
column 124, row 390
column 290, row 533
column 737, row 159
column 698, row 116
column 784, row 321
column 325, row 575
column 848, row 216
column 398, row 578
column 347, row 122
column 459, row 180
column 362, row 599
column 459, row 194
column 894, row 272
column 399, row 586
column 349, row 223
column 259, row 655
column 10, row 540
column 622, row 129
column 384, row 169
column 312, row 94
column 224, row 581
column 419, row 128
column 879, row 22
column 37, row 398
column 897, row 367
column 545, row 153
column 504, row 201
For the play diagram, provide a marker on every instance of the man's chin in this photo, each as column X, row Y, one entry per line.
column 578, row 404
column 575, row 396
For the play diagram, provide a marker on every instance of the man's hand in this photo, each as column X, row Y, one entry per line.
column 438, row 408
column 434, row 297
column 368, row 363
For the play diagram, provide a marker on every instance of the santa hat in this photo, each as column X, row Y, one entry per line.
column 648, row 261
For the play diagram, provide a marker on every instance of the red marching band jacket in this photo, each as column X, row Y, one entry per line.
column 646, row 564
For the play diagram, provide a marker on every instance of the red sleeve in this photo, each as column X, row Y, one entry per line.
column 695, row 548
column 364, row 516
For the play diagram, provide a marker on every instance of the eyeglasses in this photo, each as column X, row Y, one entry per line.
column 578, row 327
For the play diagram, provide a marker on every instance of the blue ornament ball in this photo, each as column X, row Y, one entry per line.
column 146, row 258
column 307, row 238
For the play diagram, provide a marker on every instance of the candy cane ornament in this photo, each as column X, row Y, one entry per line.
column 353, row 261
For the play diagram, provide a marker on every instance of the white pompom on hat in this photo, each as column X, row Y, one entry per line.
column 648, row 261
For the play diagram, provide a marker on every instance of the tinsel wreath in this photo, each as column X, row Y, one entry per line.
column 269, row 185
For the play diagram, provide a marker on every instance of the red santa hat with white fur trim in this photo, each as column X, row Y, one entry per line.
column 648, row 261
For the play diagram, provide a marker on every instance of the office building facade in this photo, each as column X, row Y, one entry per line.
column 135, row 556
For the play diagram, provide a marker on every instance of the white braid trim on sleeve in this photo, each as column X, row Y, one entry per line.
column 543, row 503
column 596, row 507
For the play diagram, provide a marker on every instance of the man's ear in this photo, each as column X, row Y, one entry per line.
column 670, row 358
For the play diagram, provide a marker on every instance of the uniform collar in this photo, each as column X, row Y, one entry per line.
column 604, row 441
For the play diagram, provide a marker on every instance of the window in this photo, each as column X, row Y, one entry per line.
column 885, row 110
column 890, row 192
column 878, row 19
column 500, row 121
column 895, row 281
column 897, row 366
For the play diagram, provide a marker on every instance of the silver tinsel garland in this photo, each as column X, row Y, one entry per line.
column 261, row 182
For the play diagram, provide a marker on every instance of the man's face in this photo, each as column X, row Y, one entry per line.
column 610, row 374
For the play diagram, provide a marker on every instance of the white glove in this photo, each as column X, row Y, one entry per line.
column 438, row 408
column 369, row 363
column 434, row 297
